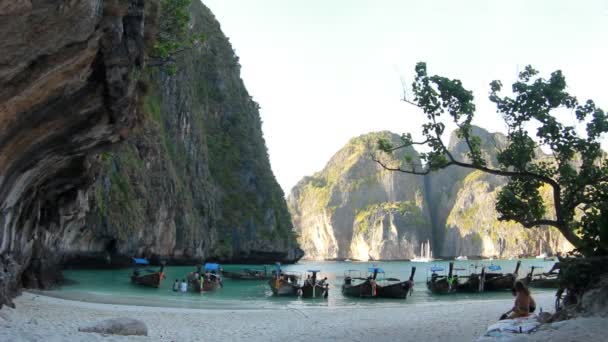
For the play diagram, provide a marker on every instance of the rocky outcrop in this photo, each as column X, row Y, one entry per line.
column 355, row 209
column 453, row 207
column 68, row 87
column 195, row 183
column 193, row 180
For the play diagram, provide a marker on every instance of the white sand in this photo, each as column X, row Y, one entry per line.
column 40, row 318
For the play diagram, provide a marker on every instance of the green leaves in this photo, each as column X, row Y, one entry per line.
column 577, row 170
column 173, row 36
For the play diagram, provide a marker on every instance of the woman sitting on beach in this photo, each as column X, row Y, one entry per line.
column 523, row 301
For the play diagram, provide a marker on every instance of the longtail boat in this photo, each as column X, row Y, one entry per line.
column 395, row 288
column 284, row 283
column 312, row 288
column 357, row 286
column 248, row 274
column 207, row 279
column 541, row 280
column 439, row 283
column 145, row 276
column 498, row 281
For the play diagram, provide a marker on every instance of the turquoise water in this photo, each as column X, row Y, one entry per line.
column 114, row 286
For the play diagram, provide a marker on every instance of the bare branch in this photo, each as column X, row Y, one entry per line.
column 413, row 171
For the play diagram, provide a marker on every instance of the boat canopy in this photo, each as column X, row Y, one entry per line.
column 212, row 267
column 494, row 268
column 375, row 269
column 314, row 271
column 140, row 261
column 436, row 269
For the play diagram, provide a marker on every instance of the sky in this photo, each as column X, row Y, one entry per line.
column 324, row 71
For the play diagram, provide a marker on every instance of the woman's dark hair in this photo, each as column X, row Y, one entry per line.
column 520, row 287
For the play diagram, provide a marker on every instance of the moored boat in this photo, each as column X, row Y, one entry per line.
column 426, row 255
column 440, row 283
column 541, row 280
column 395, row 288
column 495, row 281
column 313, row 288
column 212, row 279
column 357, row 286
column 284, row 283
column 248, row 274
column 145, row 276
column 205, row 279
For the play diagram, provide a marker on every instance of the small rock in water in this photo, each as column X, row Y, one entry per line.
column 118, row 326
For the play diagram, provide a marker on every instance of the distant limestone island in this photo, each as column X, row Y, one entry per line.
column 354, row 209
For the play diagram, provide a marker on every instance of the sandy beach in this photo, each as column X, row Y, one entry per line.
column 38, row 318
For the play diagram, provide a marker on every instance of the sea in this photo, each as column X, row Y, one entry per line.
column 115, row 287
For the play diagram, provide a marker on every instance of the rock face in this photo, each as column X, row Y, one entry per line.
column 192, row 181
column 195, row 182
column 68, row 86
column 354, row 209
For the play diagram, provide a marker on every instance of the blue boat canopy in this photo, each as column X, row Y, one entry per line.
column 436, row 269
column 140, row 261
column 314, row 271
column 376, row 269
column 212, row 267
column 494, row 268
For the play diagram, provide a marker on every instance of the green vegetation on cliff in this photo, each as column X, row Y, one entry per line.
column 195, row 181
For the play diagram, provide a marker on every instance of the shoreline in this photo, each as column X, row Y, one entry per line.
column 57, row 299
column 39, row 317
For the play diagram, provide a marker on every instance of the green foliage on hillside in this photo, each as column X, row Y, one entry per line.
column 173, row 36
column 200, row 157
column 118, row 202
column 407, row 209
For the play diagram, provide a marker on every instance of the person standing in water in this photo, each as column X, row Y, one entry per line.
column 176, row 285
column 183, row 287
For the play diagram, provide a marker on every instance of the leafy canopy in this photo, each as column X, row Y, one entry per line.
column 577, row 172
column 173, row 36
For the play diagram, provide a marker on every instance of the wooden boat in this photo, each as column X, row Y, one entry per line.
column 247, row 274
column 498, row 281
column 395, row 288
column 284, row 283
column 207, row 279
column 313, row 288
column 474, row 282
column 439, row 283
column 489, row 281
column 541, row 280
column 357, row 286
column 426, row 254
column 146, row 276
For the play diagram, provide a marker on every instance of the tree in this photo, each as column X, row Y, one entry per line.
column 577, row 172
column 172, row 37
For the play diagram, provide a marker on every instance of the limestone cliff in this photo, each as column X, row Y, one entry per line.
column 193, row 180
column 355, row 209
column 454, row 208
column 68, row 87
column 195, row 183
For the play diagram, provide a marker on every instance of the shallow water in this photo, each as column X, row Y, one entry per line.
column 114, row 286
